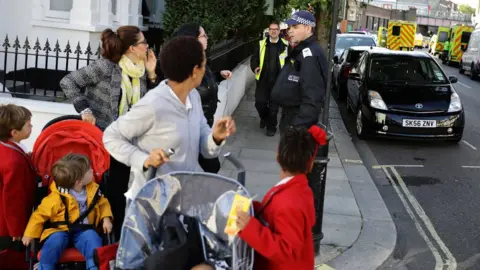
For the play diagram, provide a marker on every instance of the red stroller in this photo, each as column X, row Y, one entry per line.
column 59, row 137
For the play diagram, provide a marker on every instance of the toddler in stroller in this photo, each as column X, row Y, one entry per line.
column 70, row 213
column 59, row 138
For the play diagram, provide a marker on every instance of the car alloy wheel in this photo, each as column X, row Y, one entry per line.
column 362, row 130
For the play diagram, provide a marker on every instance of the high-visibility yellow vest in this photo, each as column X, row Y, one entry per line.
column 282, row 56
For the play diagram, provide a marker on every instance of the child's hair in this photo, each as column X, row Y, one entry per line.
column 12, row 117
column 296, row 150
column 69, row 169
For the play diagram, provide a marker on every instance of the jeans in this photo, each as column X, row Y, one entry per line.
column 85, row 241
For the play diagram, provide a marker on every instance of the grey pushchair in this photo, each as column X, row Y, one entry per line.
column 201, row 202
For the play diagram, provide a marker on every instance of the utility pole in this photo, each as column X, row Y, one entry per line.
column 331, row 52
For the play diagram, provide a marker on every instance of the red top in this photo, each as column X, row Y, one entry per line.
column 17, row 189
column 285, row 242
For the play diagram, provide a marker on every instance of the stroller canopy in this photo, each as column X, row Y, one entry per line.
column 70, row 136
column 203, row 196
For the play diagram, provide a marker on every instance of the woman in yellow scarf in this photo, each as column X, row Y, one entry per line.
column 113, row 84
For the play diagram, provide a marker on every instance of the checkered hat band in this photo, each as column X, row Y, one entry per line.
column 303, row 21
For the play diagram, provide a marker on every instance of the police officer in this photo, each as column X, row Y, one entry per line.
column 300, row 87
column 266, row 62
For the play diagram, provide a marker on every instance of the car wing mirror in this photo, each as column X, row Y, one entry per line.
column 453, row 79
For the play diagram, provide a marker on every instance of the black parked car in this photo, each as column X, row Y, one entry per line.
column 343, row 64
column 404, row 94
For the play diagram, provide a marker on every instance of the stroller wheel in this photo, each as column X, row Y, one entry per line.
column 62, row 118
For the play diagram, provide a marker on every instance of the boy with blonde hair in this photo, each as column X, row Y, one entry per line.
column 70, row 213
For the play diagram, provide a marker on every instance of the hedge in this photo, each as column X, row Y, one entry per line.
column 221, row 20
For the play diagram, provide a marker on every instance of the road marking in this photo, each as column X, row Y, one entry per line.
column 469, row 144
column 450, row 262
column 392, row 166
column 471, row 167
column 467, row 86
column 421, row 231
column 354, row 161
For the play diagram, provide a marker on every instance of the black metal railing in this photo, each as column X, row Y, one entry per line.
column 35, row 72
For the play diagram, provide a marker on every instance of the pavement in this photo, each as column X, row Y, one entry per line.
column 431, row 189
column 358, row 230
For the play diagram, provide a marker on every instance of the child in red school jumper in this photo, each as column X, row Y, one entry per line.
column 281, row 231
column 17, row 184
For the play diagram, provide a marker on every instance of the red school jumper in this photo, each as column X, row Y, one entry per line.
column 17, row 194
column 285, row 241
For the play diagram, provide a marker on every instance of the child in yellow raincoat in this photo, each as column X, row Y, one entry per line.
column 72, row 190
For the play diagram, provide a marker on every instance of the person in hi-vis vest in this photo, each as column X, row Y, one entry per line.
column 266, row 62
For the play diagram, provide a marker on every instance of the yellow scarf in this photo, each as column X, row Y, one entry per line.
column 130, row 88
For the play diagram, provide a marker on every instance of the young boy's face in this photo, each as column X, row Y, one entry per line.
column 87, row 178
column 23, row 133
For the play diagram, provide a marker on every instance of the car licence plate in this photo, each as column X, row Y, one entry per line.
column 415, row 123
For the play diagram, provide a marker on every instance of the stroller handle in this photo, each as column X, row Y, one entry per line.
column 152, row 171
column 238, row 165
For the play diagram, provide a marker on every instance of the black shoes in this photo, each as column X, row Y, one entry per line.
column 262, row 123
column 270, row 132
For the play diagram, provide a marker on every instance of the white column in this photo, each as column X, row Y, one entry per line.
column 106, row 13
column 135, row 17
column 85, row 12
column 123, row 11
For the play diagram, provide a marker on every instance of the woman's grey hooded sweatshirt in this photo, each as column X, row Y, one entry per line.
column 161, row 120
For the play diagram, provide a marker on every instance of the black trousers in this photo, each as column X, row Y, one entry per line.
column 117, row 185
column 210, row 165
column 266, row 108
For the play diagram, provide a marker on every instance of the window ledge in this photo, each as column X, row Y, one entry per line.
column 64, row 24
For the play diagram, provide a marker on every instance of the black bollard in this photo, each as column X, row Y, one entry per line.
column 316, row 181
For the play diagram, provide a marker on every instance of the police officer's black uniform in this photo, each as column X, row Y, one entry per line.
column 300, row 87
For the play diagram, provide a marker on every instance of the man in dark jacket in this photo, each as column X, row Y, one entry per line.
column 300, row 87
column 266, row 62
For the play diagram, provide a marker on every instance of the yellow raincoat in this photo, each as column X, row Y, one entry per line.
column 52, row 209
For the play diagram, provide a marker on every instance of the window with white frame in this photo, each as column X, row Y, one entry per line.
column 58, row 9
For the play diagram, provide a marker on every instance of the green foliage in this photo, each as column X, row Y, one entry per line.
column 466, row 9
column 221, row 19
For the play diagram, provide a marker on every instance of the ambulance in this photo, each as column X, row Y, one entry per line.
column 418, row 41
column 459, row 36
column 442, row 36
column 382, row 37
column 401, row 35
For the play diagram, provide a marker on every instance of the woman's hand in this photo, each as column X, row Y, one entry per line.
column 223, row 128
column 151, row 63
column 156, row 159
column 89, row 118
column 227, row 74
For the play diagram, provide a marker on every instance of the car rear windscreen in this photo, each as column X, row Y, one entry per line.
column 347, row 42
column 405, row 69
column 353, row 56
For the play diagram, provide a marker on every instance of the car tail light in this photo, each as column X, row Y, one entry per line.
column 346, row 70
